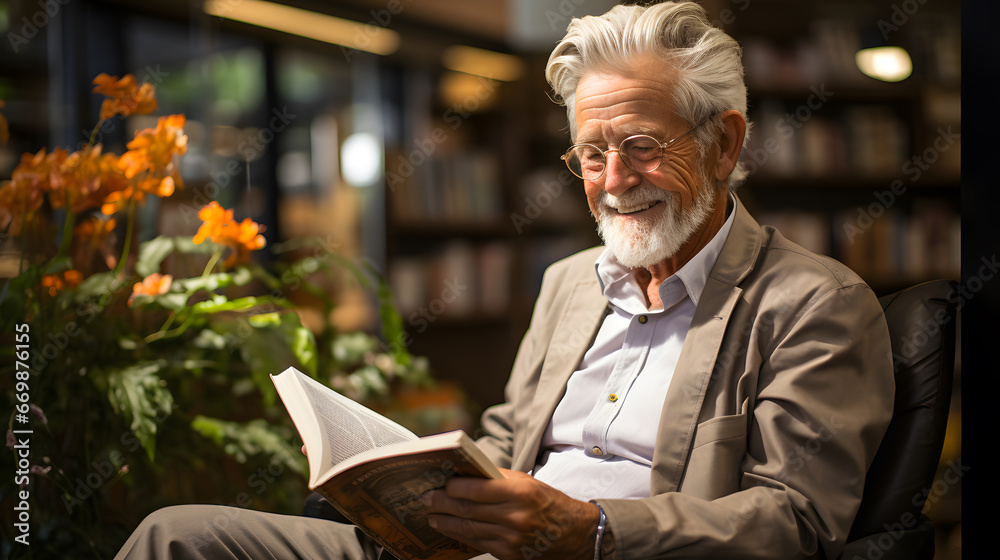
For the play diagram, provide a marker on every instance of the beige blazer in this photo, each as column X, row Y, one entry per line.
column 781, row 395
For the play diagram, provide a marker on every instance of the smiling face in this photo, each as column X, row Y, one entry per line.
column 645, row 218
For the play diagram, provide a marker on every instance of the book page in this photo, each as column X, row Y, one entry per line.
column 348, row 427
column 382, row 496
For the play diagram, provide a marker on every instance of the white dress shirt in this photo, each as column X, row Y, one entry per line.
column 599, row 441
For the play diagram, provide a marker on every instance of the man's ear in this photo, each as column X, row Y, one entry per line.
column 734, row 129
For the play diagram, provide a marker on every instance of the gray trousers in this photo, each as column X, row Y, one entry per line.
column 220, row 532
column 229, row 533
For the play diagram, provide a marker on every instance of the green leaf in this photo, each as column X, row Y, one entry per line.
column 187, row 245
column 393, row 331
column 240, row 277
column 127, row 343
column 271, row 281
column 153, row 252
column 151, row 255
column 98, row 285
column 140, row 396
column 209, row 339
column 303, row 345
column 171, row 300
column 368, row 382
column 265, row 320
column 220, row 303
column 255, row 438
column 270, row 347
column 58, row 265
column 349, row 349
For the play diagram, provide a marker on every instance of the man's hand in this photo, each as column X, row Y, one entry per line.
column 514, row 518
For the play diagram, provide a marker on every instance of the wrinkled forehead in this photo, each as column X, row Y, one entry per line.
column 611, row 103
column 653, row 72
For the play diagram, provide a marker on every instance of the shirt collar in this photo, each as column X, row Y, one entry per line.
column 618, row 285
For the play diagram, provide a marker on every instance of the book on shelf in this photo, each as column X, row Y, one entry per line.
column 898, row 247
column 458, row 188
column 457, row 280
column 375, row 471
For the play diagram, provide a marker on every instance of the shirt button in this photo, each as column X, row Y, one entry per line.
column 642, row 319
column 612, row 397
column 597, row 451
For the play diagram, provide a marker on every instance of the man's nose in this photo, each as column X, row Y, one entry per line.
column 618, row 177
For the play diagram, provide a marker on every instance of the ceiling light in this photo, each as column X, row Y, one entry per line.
column 481, row 62
column 314, row 25
column 889, row 64
column 362, row 157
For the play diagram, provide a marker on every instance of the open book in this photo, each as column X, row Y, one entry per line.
column 375, row 471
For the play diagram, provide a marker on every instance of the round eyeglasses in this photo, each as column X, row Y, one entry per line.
column 640, row 153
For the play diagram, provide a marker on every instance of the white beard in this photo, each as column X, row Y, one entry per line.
column 644, row 242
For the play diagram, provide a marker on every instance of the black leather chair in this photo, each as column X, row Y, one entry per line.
column 890, row 526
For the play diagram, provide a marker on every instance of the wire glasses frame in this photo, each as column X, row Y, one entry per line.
column 640, row 152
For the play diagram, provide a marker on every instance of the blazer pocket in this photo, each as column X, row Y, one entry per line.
column 717, row 453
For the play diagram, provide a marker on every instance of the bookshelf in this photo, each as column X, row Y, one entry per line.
column 862, row 170
column 476, row 209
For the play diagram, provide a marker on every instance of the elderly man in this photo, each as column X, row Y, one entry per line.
column 700, row 387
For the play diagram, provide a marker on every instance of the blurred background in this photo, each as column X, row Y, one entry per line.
column 418, row 135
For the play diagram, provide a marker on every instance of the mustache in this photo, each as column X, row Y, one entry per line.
column 644, row 192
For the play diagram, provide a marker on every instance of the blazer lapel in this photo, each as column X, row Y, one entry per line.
column 686, row 393
column 687, row 389
column 573, row 334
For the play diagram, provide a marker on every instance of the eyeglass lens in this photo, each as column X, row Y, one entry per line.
column 639, row 153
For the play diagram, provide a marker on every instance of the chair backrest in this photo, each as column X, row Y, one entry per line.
column 922, row 322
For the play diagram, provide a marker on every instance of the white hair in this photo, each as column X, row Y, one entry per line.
column 708, row 62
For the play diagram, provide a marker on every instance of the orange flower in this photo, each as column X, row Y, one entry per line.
column 153, row 149
column 125, row 96
column 149, row 165
column 152, row 285
column 56, row 282
column 243, row 238
column 22, row 196
column 215, row 218
column 84, row 179
column 220, row 227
